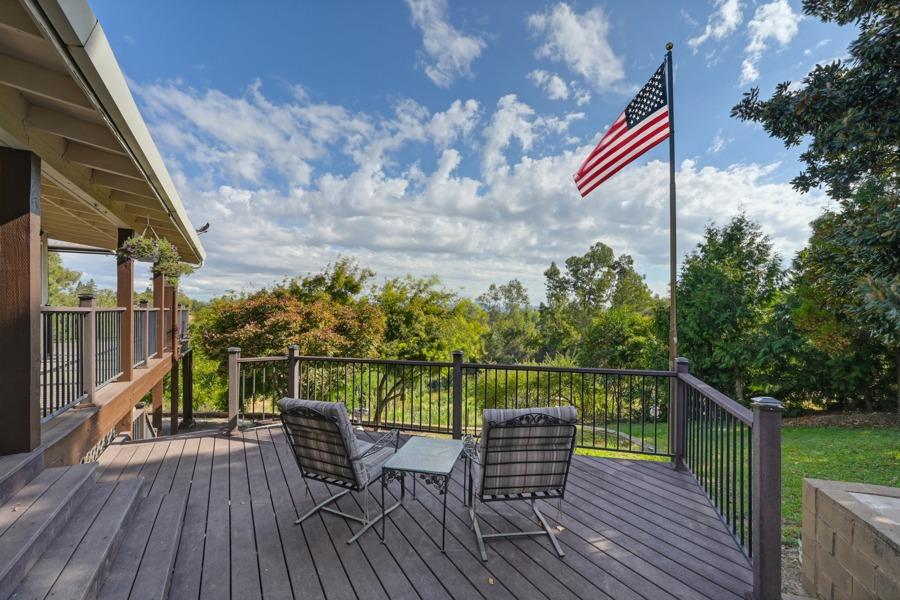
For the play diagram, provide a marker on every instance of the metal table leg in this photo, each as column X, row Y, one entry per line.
column 444, row 520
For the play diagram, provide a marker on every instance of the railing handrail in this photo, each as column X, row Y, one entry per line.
column 739, row 411
column 255, row 359
column 563, row 369
column 380, row 361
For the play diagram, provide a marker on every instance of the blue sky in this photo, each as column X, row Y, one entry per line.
column 440, row 137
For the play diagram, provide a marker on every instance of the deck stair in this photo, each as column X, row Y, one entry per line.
column 62, row 529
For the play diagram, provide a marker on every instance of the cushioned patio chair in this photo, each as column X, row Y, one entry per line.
column 327, row 450
column 524, row 454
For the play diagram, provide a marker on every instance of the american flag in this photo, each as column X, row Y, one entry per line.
column 643, row 124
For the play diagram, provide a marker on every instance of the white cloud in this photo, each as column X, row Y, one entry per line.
column 723, row 21
column 399, row 192
column 718, row 143
column 580, row 41
column 551, row 83
column 772, row 21
column 447, row 52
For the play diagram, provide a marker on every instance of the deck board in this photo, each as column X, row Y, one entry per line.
column 631, row 530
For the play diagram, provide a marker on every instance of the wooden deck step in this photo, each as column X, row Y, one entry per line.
column 73, row 567
column 16, row 470
column 143, row 569
column 32, row 519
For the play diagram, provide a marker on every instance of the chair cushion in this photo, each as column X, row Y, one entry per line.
column 529, row 458
column 373, row 463
column 337, row 412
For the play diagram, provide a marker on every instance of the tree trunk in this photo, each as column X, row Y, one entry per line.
column 897, row 368
column 738, row 386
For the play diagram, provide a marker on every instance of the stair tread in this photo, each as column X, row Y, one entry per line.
column 48, row 508
column 161, row 549
column 97, row 550
column 19, row 504
column 103, row 510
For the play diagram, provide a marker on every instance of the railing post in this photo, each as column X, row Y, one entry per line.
column 159, row 301
column 457, row 395
column 766, row 498
column 173, row 334
column 174, row 397
column 125, row 299
column 293, row 371
column 678, row 413
column 145, row 335
column 89, row 346
column 234, row 376
column 187, row 380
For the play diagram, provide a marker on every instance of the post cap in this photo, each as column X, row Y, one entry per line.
column 143, row 303
column 294, row 347
column 682, row 364
column 767, row 403
column 234, row 350
column 85, row 296
column 457, row 353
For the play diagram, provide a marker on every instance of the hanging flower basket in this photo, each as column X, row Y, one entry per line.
column 159, row 251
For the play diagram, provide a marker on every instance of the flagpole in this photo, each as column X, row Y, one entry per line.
column 673, row 325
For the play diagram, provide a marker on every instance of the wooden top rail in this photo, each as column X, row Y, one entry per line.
column 256, row 359
column 742, row 413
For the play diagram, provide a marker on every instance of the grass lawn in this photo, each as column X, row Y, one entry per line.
column 866, row 455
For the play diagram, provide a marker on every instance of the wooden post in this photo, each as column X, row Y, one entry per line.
column 175, row 397
column 125, row 299
column 457, row 395
column 234, row 376
column 187, row 379
column 173, row 334
column 145, row 333
column 20, row 300
column 678, row 413
column 89, row 346
column 157, row 406
column 766, row 498
column 293, row 371
column 159, row 301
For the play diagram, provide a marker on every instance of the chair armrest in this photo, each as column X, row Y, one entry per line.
column 470, row 448
column 392, row 436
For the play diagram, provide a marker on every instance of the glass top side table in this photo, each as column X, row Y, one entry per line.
column 431, row 460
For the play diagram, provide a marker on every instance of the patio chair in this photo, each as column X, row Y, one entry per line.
column 327, row 450
column 524, row 454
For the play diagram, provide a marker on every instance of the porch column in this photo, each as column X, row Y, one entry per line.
column 20, row 300
column 125, row 299
column 157, row 406
column 159, row 301
column 173, row 333
column 174, row 394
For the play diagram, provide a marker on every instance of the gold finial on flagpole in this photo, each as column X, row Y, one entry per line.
column 669, row 46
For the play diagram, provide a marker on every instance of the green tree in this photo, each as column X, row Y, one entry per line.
column 61, row 282
column 511, row 324
column 847, row 110
column 621, row 338
column 726, row 290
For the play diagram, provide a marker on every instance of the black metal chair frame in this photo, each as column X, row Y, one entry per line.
column 535, row 419
column 392, row 436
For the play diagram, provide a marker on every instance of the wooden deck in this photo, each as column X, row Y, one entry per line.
column 220, row 510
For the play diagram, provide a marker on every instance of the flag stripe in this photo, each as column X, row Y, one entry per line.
column 642, row 125
column 623, row 142
column 663, row 135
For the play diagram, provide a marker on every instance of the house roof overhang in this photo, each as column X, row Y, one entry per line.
column 64, row 97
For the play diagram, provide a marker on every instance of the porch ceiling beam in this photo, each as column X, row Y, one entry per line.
column 68, row 127
column 101, row 161
column 122, row 184
column 73, row 215
column 29, row 77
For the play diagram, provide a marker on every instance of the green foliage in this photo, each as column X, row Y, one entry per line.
column 591, row 284
column 621, row 338
column 61, row 282
column 726, row 291
column 159, row 251
column 511, row 324
column 426, row 322
column 847, row 111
